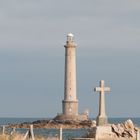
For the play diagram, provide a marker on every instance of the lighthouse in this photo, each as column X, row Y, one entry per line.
column 70, row 101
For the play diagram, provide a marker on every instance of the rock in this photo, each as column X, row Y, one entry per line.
column 125, row 134
column 129, row 124
column 127, row 129
column 130, row 128
column 122, row 131
column 93, row 123
column 118, row 129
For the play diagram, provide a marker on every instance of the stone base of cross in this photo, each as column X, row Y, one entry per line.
column 101, row 120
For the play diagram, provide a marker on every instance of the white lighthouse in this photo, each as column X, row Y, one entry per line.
column 70, row 102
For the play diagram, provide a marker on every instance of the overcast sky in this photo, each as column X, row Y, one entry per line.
column 32, row 36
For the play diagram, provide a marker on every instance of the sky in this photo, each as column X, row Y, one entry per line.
column 32, row 38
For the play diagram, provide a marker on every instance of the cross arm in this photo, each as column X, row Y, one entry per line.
column 107, row 89
column 97, row 89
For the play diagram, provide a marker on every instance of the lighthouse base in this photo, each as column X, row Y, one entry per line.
column 70, row 112
column 64, row 117
column 70, row 107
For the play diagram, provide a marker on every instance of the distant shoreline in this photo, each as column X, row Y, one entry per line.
column 56, row 124
column 8, row 120
column 50, row 123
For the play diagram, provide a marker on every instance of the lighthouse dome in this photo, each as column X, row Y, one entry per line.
column 70, row 37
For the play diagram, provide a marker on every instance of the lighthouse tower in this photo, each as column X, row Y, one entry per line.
column 70, row 102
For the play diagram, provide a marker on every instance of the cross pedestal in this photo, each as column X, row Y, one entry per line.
column 102, row 118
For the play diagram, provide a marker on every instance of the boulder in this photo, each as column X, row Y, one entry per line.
column 118, row 129
column 130, row 128
column 126, row 129
column 129, row 125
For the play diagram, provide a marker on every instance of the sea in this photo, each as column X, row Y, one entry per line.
column 67, row 133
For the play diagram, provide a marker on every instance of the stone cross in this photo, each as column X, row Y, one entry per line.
column 102, row 118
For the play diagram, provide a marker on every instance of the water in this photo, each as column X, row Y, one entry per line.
column 136, row 121
column 67, row 133
column 6, row 121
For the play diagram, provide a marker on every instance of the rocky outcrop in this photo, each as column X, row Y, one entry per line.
column 122, row 131
column 126, row 129
column 66, row 124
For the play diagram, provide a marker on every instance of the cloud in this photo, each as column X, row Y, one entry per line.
column 102, row 23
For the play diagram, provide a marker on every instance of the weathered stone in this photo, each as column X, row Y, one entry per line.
column 123, row 131
column 99, row 132
column 102, row 118
column 129, row 124
column 127, row 129
column 118, row 129
column 130, row 128
column 93, row 123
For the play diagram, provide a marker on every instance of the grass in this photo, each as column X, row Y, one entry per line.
column 20, row 137
column 8, row 137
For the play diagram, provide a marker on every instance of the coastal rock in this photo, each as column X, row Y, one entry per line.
column 65, row 124
column 129, row 124
column 129, row 128
column 118, row 129
column 93, row 123
column 126, row 129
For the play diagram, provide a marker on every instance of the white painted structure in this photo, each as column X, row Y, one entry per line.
column 138, row 135
column 30, row 134
column 102, row 118
column 60, row 134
